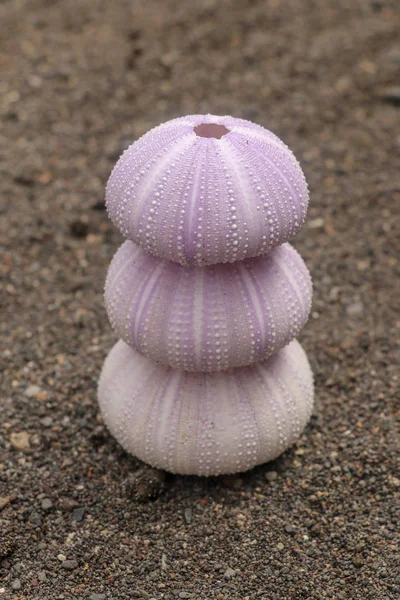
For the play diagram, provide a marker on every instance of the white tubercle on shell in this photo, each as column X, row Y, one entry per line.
column 206, row 423
column 207, row 318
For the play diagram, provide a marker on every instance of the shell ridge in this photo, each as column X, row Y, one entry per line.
column 275, row 169
column 176, row 222
column 172, row 303
column 125, row 265
column 152, row 181
column 128, row 164
column 253, row 427
column 198, row 324
column 278, row 259
column 231, row 327
column 166, row 408
column 193, row 203
column 253, row 294
column 245, row 194
column 267, row 379
column 152, row 329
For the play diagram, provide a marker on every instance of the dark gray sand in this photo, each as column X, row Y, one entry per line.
column 79, row 518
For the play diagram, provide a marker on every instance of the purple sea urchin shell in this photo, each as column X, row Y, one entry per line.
column 207, row 318
column 207, row 283
column 206, row 423
column 205, row 189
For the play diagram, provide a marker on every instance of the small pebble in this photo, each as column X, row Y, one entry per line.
column 285, row 570
column 70, row 564
column 16, row 584
column 4, row 500
column 20, row 440
column 78, row 513
column 32, row 391
column 146, row 484
column 78, row 229
column 185, row 595
column 35, row 519
column 355, row 309
column 232, row 481
column 47, row 504
column 358, row 561
column 164, row 564
column 97, row 597
column 99, row 205
column 188, row 515
column 271, row 475
column 316, row 223
column 229, row 573
column 46, row 421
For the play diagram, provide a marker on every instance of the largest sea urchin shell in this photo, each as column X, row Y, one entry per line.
column 206, row 423
column 205, row 189
column 207, row 318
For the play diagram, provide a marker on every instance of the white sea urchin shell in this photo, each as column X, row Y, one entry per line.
column 206, row 423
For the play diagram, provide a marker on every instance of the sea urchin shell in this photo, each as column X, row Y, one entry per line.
column 206, row 423
column 204, row 189
column 207, row 318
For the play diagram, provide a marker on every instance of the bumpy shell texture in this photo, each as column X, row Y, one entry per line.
column 206, row 423
column 209, row 318
column 205, row 189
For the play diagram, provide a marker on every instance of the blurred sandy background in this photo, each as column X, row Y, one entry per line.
column 80, row 80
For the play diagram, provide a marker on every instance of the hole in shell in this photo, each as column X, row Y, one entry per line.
column 211, row 130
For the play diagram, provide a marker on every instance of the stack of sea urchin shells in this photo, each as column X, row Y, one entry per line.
column 207, row 297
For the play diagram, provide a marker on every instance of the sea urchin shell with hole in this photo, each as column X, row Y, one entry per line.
column 206, row 423
column 207, row 318
column 205, row 189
